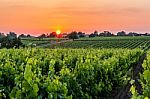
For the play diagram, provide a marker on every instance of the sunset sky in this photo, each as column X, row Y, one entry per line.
column 44, row 16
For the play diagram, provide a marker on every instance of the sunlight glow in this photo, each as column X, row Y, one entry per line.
column 58, row 32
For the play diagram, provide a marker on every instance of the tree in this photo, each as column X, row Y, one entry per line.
column 53, row 34
column 11, row 35
column 122, row 33
column 73, row 35
column 91, row 35
column 133, row 34
column 2, row 35
column 22, row 36
column 11, row 40
column 96, row 33
column 28, row 35
column 80, row 34
column 106, row 33
column 146, row 34
column 42, row 36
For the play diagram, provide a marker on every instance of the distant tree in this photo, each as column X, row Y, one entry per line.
column 92, row 35
column 122, row 33
column 11, row 35
column 42, row 36
column 146, row 34
column 2, row 35
column 28, row 35
column 11, row 40
column 102, row 34
column 96, row 33
column 80, row 34
column 22, row 36
column 73, row 35
column 106, row 33
column 53, row 34
column 133, row 34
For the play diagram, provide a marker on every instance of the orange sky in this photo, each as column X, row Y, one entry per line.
column 44, row 16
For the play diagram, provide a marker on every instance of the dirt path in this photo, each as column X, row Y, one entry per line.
column 63, row 41
column 137, row 68
column 54, row 42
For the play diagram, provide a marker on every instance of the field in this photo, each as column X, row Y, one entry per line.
column 98, row 42
column 41, row 41
column 87, row 68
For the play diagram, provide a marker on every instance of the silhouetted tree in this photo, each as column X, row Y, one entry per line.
column 22, row 36
column 91, row 35
column 96, row 33
column 80, row 34
column 2, row 35
column 106, row 33
column 11, row 40
column 53, row 34
column 73, row 35
column 122, row 33
column 133, row 34
column 146, row 34
column 28, row 35
column 42, row 36
column 11, row 35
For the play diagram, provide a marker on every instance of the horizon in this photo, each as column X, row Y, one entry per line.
column 70, row 32
column 37, row 17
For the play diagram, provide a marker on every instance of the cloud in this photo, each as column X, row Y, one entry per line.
column 108, row 11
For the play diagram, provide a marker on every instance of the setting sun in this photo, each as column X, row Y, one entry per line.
column 58, row 32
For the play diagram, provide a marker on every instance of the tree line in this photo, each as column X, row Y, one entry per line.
column 76, row 35
column 10, row 40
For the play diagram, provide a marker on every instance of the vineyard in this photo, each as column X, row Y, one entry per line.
column 41, row 41
column 144, row 79
column 105, row 42
column 87, row 68
column 144, row 44
column 65, row 73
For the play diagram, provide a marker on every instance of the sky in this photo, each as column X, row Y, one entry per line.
column 44, row 16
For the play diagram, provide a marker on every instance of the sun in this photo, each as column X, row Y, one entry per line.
column 58, row 31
